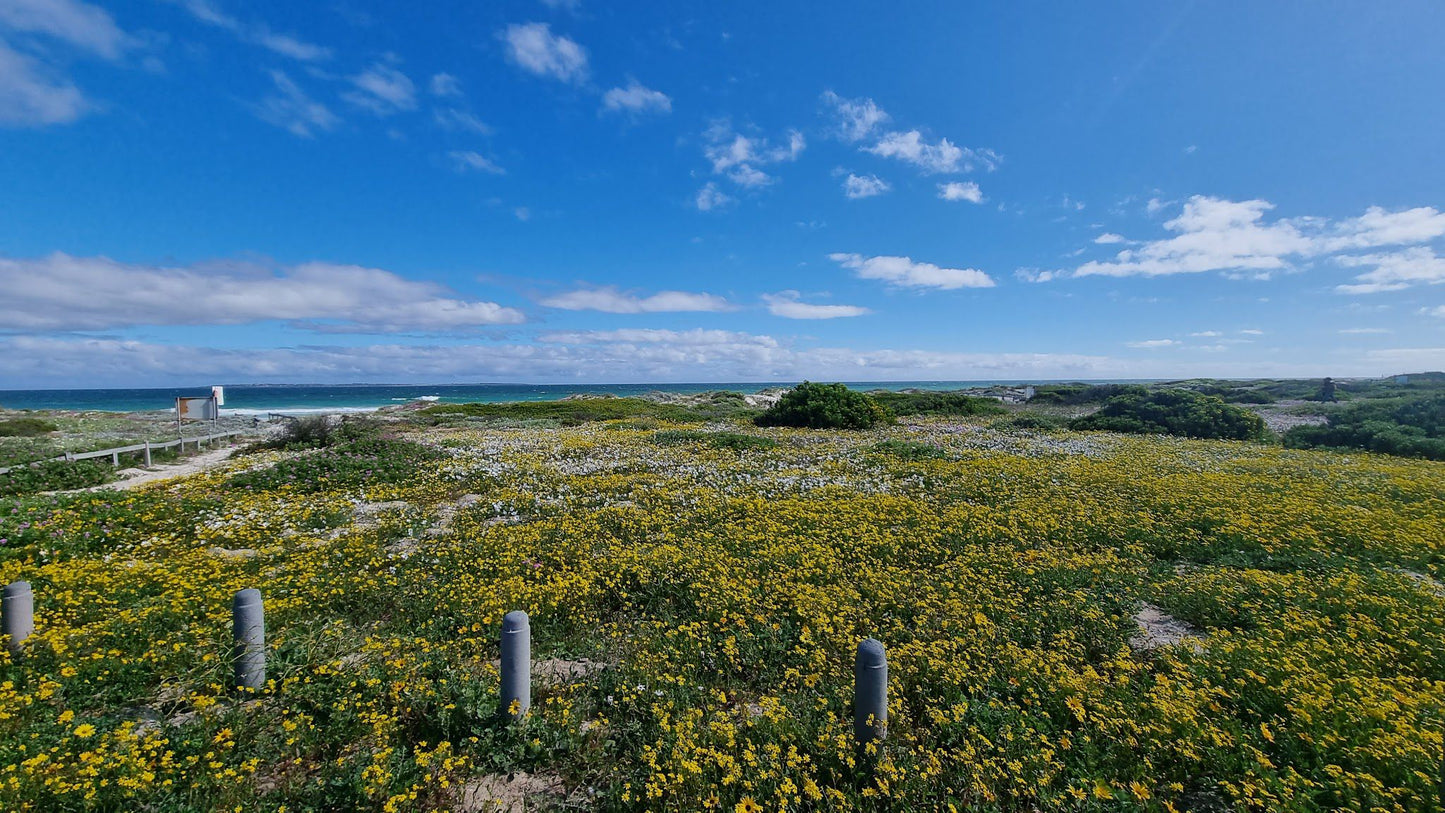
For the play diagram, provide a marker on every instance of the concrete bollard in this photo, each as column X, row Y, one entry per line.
column 17, row 613
column 516, row 663
column 248, row 624
column 870, row 693
column 148, row 454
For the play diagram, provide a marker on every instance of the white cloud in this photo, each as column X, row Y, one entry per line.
column 856, row 118
column 709, row 198
column 61, row 292
column 694, row 337
column 943, row 157
column 471, row 160
column 609, row 299
column 1109, row 238
column 383, row 90
column 1394, row 271
column 1151, row 344
column 522, row 213
column 787, row 304
column 1207, row 334
column 534, row 48
column 1364, row 331
column 33, row 96
column 1252, row 332
column 1438, row 311
column 904, row 272
column 1212, row 234
column 1038, row 274
column 738, row 156
column 961, row 190
column 289, row 107
column 864, row 186
column 636, row 99
column 255, row 33
column 81, row 25
column 451, row 118
column 444, row 84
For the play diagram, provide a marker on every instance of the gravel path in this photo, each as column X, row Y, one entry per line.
column 135, row 478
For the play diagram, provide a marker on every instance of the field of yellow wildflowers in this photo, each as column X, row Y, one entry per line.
column 695, row 609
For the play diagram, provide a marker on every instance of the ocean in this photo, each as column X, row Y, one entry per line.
column 259, row 399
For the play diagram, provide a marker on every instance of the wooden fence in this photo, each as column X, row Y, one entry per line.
column 115, row 453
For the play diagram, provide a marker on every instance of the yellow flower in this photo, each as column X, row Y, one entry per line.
column 84, row 730
column 747, row 805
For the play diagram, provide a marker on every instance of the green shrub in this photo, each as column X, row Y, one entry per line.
column 1078, row 394
column 26, row 428
column 824, row 406
column 1414, row 428
column 1174, row 412
column 366, row 460
column 936, row 403
column 54, row 475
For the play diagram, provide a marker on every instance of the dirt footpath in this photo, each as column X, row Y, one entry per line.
column 135, row 478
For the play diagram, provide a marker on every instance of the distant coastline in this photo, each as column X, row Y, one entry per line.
column 247, row 399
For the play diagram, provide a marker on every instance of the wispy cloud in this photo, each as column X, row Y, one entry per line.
column 789, row 305
column 737, row 156
column 905, row 273
column 1109, row 238
column 1394, row 271
column 864, row 186
column 1151, row 344
column 61, row 292
column 383, row 90
column 451, row 118
column 709, row 197
column 255, row 33
column 444, row 84
column 289, row 107
column 940, row 157
column 635, row 99
column 473, row 161
column 1364, row 331
column 534, row 48
column 34, row 89
column 609, row 299
column 855, row 119
column 961, row 190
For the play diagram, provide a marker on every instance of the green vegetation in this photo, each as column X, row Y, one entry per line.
column 366, row 458
column 824, row 406
column 1174, row 412
column 736, row 441
column 26, row 428
column 1077, row 394
column 54, row 475
column 936, row 403
column 577, row 411
column 1413, row 427
column 1032, row 421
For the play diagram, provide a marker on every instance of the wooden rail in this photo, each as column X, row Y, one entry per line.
column 115, row 453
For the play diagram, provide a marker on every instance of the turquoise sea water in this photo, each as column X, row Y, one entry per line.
column 246, row 399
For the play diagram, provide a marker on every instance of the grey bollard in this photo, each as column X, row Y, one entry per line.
column 870, row 693
column 248, row 623
column 516, row 663
column 17, row 613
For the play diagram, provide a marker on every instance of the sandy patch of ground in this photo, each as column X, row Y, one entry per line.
column 1158, row 628
column 135, row 478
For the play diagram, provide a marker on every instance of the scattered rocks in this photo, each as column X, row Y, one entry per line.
column 510, row 793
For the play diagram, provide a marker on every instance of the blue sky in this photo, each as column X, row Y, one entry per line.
column 205, row 190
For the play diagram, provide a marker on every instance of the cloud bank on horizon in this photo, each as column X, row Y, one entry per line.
column 201, row 190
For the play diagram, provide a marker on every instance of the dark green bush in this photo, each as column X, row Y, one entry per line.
column 1077, row 394
column 1415, row 428
column 372, row 458
column 26, row 428
column 824, row 406
column 54, row 475
column 1174, row 412
column 936, row 403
